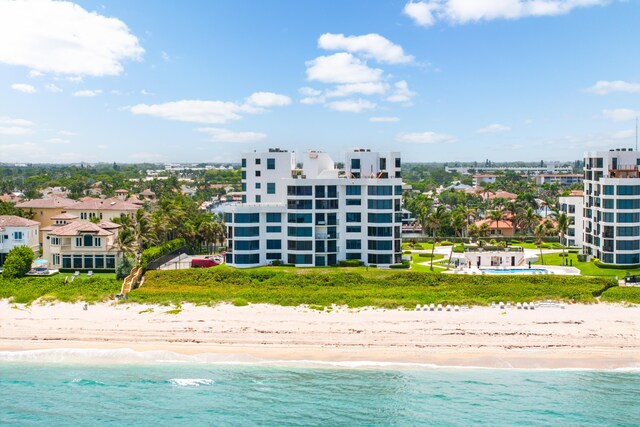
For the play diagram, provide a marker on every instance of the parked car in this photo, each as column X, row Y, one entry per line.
column 206, row 262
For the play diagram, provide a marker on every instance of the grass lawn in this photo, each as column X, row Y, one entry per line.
column 586, row 268
column 83, row 288
column 622, row 294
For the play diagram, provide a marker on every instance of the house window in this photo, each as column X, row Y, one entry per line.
column 78, row 241
column 55, row 241
column 111, row 261
column 66, row 261
column 56, row 259
column 17, row 235
column 87, row 240
column 97, row 241
column 99, row 261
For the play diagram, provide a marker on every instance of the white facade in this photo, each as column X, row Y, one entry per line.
column 17, row 231
column 317, row 215
column 573, row 206
column 612, row 206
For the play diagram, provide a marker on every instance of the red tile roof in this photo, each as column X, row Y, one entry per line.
column 50, row 203
column 16, row 221
column 79, row 227
column 94, row 204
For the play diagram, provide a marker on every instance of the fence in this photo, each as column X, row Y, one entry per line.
column 156, row 263
column 423, row 238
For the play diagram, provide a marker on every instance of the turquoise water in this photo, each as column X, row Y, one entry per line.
column 214, row 394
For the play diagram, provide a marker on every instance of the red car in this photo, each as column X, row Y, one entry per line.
column 205, row 262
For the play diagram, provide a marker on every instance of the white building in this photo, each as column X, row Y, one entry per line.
column 317, row 215
column 573, row 206
column 17, row 231
column 565, row 179
column 612, row 206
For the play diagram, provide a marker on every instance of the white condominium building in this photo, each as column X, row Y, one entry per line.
column 612, row 206
column 573, row 206
column 317, row 215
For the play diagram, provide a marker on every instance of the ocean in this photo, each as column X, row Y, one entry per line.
column 46, row 388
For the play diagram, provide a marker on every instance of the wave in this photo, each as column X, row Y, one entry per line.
column 127, row 356
column 190, row 382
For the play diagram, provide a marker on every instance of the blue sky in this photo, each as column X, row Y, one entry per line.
column 438, row 80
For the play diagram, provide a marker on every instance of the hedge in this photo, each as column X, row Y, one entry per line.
column 156, row 252
column 600, row 264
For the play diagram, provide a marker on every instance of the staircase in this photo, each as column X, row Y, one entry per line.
column 130, row 281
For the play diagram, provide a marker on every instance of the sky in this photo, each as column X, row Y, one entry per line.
column 204, row 81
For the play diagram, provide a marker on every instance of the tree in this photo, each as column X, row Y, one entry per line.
column 541, row 231
column 496, row 216
column 563, row 228
column 18, row 262
column 434, row 223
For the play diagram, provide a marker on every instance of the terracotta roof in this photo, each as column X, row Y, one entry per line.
column 504, row 224
column 122, row 191
column 576, row 193
column 10, row 198
column 147, row 192
column 501, row 194
column 106, row 204
column 16, row 221
column 50, row 203
column 80, row 227
column 108, row 225
column 65, row 215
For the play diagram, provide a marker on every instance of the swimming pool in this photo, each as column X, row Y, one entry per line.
column 515, row 271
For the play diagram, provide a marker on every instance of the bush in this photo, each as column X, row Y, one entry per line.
column 239, row 302
column 582, row 257
column 446, row 243
column 459, row 249
column 155, row 252
column 544, row 246
column 529, row 241
column 124, row 268
column 600, row 264
column 573, row 251
column 18, row 262
column 405, row 264
column 493, row 242
column 276, row 262
column 350, row 263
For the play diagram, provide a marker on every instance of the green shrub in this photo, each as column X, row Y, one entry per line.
column 18, row 262
column 405, row 264
column 544, row 246
column 573, row 251
column 600, row 264
column 124, row 268
column 239, row 302
column 155, row 252
column 529, row 241
column 350, row 263
column 458, row 248
column 493, row 242
column 446, row 243
column 276, row 262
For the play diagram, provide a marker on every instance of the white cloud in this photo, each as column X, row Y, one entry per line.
column 494, row 128
column 341, row 67
column 462, row 11
column 351, row 105
column 624, row 134
column 66, row 133
column 16, row 122
column 62, row 37
column 15, row 127
column 18, row 152
column 58, row 141
column 268, row 99
column 165, row 56
column 425, row 138
column 211, row 112
column 421, row 12
column 23, row 87
column 384, row 119
column 52, row 88
column 145, row 93
column 370, row 46
column 620, row 114
column 225, row 135
column 401, row 92
column 310, row 100
column 102, row 146
column 369, row 88
column 604, row 87
column 309, row 91
column 35, row 73
column 88, row 92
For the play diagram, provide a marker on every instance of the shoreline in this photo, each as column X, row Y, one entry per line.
column 600, row 336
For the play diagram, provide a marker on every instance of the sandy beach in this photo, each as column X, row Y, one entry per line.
column 600, row 336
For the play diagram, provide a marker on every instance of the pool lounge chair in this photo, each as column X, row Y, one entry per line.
column 432, row 307
column 439, row 307
column 90, row 273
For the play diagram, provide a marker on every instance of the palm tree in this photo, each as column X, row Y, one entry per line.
column 434, row 222
column 541, row 231
column 563, row 228
column 496, row 216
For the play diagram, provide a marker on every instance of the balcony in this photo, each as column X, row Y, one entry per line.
column 624, row 172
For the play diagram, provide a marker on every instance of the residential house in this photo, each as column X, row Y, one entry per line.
column 73, row 244
column 102, row 209
column 44, row 209
column 17, row 231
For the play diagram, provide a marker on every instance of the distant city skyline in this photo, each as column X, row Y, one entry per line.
column 438, row 80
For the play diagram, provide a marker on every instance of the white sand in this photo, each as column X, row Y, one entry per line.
column 579, row 336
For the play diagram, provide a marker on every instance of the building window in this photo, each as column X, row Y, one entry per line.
column 244, row 163
column 379, row 204
column 274, row 229
column 332, row 191
column 380, row 190
column 56, row 259
column 300, row 245
column 383, row 163
column 257, row 173
column 99, row 262
column 271, row 163
column 380, row 245
column 244, row 218
column 258, row 199
column 271, row 188
column 300, row 218
column 79, row 241
column 354, row 217
column 257, row 161
column 300, row 259
column 299, row 190
column 247, row 245
column 274, row 255
column 66, row 261
column 17, row 235
column 354, row 244
column 299, row 204
column 299, row 231
column 397, row 162
column 353, row 202
column 97, row 241
column 379, row 218
column 355, row 163
column 111, row 262
column 353, row 229
column 354, row 190
column 258, row 185
column 274, row 244
column 55, row 241
column 274, row 217
column 87, row 240
column 246, row 231
column 247, row 259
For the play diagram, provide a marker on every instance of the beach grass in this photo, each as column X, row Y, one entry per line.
column 88, row 289
column 622, row 294
column 392, row 289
